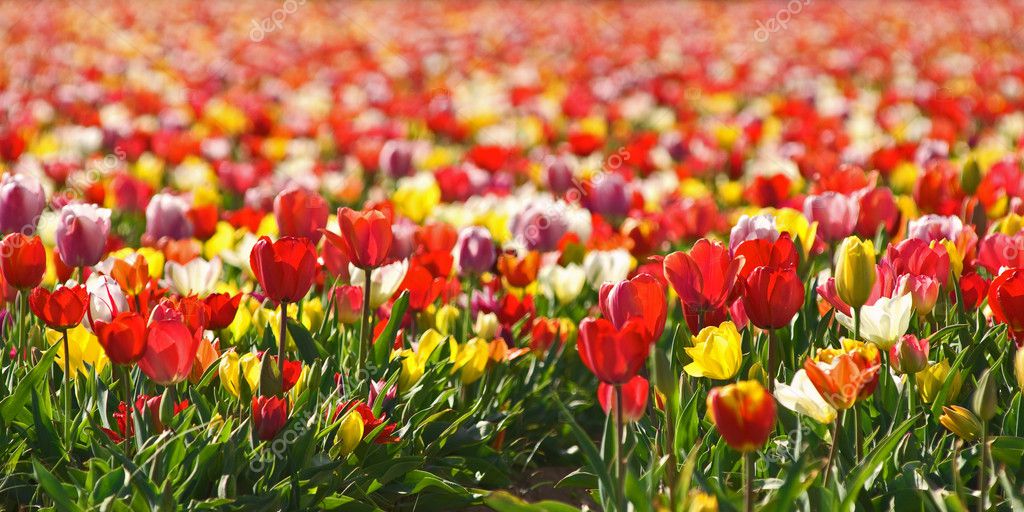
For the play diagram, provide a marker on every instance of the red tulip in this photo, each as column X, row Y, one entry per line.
column 222, row 308
column 191, row 310
column 204, row 221
column 123, row 338
column 365, row 236
column 613, row 355
column 285, row 268
column 348, row 303
column 1006, row 298
column 641, row 297
column 917, row 257
column 269, row 416
column 61, row 309
column 757, row 252
column 877, row 209
column 170, row 352
column 301, row 213
column 743, row 413
column 634, row 398
column 704, row 278
column 22, row 260
column 973, row 288
column 545, row 332
column 772, row 296
column 423, row 287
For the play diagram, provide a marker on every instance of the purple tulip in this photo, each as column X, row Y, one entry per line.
column 609, row 196
column 475, row 251
column 540, row 226
column 167, row 217
column 560, row 176
column 22, row 200
column 396, row 158
column 82, row 234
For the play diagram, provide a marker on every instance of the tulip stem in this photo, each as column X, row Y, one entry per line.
column 983, row 471
column 836, row 429
column 911, row 388
column 856, row 323
column 617, row 453
column 284, row 339
column 773, row 360
column 67, row 388
column 748, row 481
column 364, row 328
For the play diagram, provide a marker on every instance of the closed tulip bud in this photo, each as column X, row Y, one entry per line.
column 22, row 201
column 641, row 297
column 301, row 213
column 170, row 352
column 22, row 261
column 961, row 422
column 855, row 271
column 923, row 289
column 743, row 413
column 82, row 232
column 167, row 217
column 634, row 398
column 664, row 379
column 350, row 433
column 931, row 379
column 474, row 251
column 985, row 401
column 486, row 325
column 348, row 303
column 269, row 416
column 1018, row 367
column 564, row 283
column 909, row 355
column 613, row 355
column 123, row 337
column 971, row 177
column 447, row 318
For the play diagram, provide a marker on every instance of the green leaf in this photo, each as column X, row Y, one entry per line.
column 382, row 344
column 303, row 341
column 53, row 488
column 590, row 452
column 14, row 404
column 873, row 461
column 502, row 501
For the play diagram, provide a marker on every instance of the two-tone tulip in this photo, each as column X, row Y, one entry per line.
column 743, row 413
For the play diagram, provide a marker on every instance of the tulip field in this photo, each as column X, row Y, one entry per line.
column 512, row 256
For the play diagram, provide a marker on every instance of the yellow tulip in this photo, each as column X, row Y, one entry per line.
column 414, row 362
column 470, row 358
column 855, row 271
column 350, row 433
column 716, row 352
column 930, row 381
column 788, row 220
column 961, row 422
column 232, row 366
column 486, row 325
column 1009, row 225
column 956, row 260
column 83, row 349
column 416, row 196
column 446, row 319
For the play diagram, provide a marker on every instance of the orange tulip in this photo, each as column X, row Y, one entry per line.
column 845, row 376
column 519, row 272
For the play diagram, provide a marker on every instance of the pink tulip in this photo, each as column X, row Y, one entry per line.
column 835, row 213
column 82, row 233
column 22, row 200
column 170, row 352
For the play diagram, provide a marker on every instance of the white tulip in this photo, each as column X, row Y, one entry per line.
column 197, row 277
column 564, row 283
column 606, row 266
column 384, row 281
column 884, row 322
column 802, row 397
